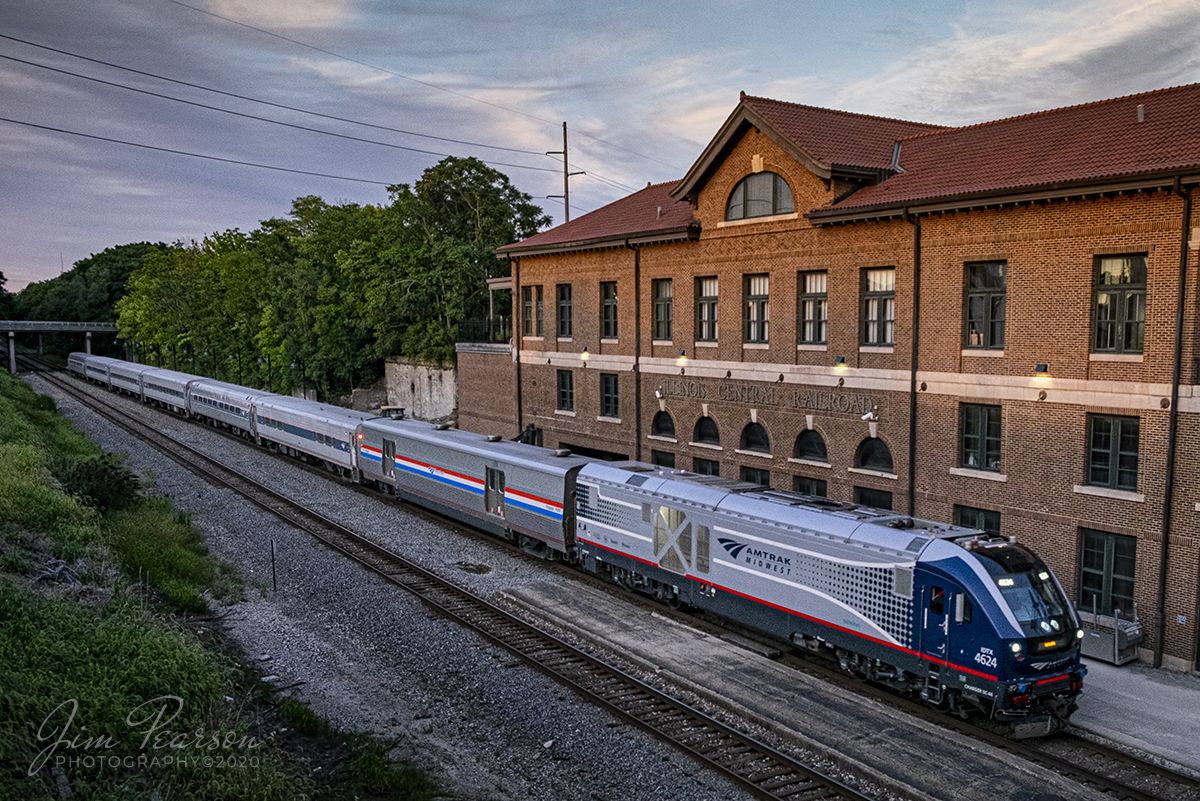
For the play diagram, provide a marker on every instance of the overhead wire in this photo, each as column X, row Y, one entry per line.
column 194, row 155
column 268, row 102
column 256, row 117
column 438, row 87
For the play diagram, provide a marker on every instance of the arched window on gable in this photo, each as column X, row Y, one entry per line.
column 663, row 425
column 761, row 194
column 810, row 445
column 754, row 438
column 874, row 454
column 706, row 432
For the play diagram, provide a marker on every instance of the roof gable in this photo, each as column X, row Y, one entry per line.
column 829, row 143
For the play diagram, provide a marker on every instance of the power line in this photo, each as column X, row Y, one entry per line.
column 194, row 155
column 256, row 117
column 269, row 103
column 414, row 80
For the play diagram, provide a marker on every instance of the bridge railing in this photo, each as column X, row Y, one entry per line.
column 44, row 326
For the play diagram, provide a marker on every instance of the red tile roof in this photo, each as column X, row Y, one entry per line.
column 1090, row 142
column 1080, row 145
column 837, row 138
column 648, row 215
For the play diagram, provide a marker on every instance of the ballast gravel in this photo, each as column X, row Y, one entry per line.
column 369, row 657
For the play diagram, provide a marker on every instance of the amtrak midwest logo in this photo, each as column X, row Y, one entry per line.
column 757, row 557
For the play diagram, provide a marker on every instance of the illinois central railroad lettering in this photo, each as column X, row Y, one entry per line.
column 753, row 395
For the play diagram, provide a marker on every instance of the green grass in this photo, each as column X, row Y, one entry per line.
column 62, row 497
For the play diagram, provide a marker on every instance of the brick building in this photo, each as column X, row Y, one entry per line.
column 981, row 324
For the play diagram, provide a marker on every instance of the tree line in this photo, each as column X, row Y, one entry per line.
column 313, row 300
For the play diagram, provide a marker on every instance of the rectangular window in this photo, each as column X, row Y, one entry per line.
column 609, row 402
column 981, row 519
column 879, row 306
column 880, row 499
column 1108, row 563
column 539, row 313
column 706, row 467
column 564, row 310
column 608, row 310
column 810, row 486
column 566, row 390
column 527, row 311
column 814, row 297
column 1120, row 304
column 756, row 475
column 1113, row 451
column 662, row 309
column 706, row 309
column 662, row 458
column 758, row 307
column 980, row 438
column 986, row 305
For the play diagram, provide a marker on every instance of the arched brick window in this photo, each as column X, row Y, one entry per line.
column 663, row 425
column 754, row 438
column 811, row 445
column 874, row 454
column 759, row 195
column 706, row 432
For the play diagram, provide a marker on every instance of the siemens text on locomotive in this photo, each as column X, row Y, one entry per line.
column 970, row 623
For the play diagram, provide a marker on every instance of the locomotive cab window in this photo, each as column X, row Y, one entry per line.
column 937, row 600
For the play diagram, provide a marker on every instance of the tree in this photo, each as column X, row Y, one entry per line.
column 7, row 310
column 427, row 268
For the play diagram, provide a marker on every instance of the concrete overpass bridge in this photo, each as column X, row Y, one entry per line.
column 43, row 327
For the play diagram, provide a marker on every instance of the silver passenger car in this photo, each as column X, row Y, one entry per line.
column 504, row 487
column 167, row 388
column 320, row 430
column 225, row 404
column 127, row 377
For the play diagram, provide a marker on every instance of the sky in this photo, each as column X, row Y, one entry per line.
column 642, row 87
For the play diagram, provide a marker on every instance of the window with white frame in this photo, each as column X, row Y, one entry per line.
column 879, row 306
column 814, row 299
column 757, row 307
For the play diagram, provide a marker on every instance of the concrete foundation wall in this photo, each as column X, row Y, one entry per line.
column 426, row 392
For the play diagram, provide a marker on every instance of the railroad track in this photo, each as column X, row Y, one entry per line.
column 753, row 766
column 1115, row 773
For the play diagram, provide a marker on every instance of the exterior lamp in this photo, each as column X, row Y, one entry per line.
column 682, row 360
column 1041, row 371
column 584, row 355
column 840, row 363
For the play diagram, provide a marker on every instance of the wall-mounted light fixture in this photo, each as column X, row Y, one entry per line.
column 682, row 359
column 1041, row 371
column 840, row 363
column 583, row 356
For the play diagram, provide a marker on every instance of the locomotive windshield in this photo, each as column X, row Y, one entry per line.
column 1027, row 586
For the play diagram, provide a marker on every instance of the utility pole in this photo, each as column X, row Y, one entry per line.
column 566, row 195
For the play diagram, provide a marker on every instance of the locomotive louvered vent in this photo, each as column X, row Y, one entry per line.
column 868, row 590
column 590, row 506
column 636, row 481
column 915, row 545
column 903, row 582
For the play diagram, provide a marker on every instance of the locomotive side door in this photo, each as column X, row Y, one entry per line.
column 935, row 628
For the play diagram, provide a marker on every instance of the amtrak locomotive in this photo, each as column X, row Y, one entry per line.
column 968, row 622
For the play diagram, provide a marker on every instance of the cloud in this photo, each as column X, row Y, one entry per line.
column 286, row 14
column 1047, row 58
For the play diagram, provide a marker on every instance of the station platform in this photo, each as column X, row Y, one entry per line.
column 1155, row 711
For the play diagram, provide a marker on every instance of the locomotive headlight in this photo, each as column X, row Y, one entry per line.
column 1079, row 634
column 1016, row 647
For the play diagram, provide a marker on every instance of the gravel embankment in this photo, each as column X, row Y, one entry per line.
column 371, row 656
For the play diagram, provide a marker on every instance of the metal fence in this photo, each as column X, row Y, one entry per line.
column 493, row 329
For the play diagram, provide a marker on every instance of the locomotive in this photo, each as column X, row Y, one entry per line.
column 971, row 623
